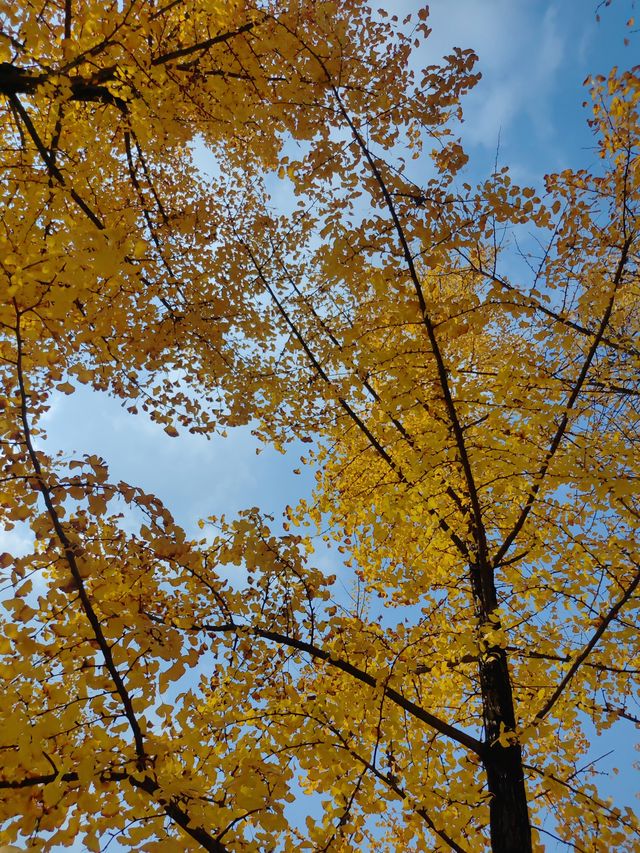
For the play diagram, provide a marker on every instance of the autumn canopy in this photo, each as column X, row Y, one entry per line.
column 474, row 432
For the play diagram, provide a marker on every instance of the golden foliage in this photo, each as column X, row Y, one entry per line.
column 476, row 442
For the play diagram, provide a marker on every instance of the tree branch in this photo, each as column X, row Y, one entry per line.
column 202, row 45
column 177, row 814
column 49, row 162
column 70, row 558
column 562, row 427
column 357, row 420
column 318, row 653
column 586, row 651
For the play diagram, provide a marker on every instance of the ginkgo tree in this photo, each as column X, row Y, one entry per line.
column 474, row 437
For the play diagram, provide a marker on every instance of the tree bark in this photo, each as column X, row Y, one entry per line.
column 509, row 822
column 508, row 811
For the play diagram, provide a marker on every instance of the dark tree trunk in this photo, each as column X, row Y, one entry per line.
column 508, row 811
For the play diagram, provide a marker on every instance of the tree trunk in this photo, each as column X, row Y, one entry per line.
column 508, row 811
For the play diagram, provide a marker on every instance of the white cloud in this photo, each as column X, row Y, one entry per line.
column 520, row 48
column 196, row 477
column 17, row 541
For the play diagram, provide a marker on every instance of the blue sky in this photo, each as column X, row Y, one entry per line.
column 534, row 56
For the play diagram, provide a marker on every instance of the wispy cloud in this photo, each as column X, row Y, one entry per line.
column 521, row 51
column 197, row 477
